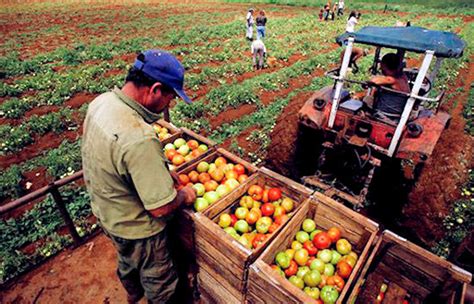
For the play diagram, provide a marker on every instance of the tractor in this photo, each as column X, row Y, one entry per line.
column 355, row 140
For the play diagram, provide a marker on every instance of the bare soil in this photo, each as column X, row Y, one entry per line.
column 84, row 275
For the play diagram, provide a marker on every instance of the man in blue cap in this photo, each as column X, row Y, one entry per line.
column 132, row 191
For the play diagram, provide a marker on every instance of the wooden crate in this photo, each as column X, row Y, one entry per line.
column 267, row 284
column 188, row 135
column 409, row 269
column 218, row 252
column 184, row 226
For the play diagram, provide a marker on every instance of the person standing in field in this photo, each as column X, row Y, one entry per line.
column 351, row 22
column 340, row 8
column 249, row 20
column 356, row 54
column 333, row 11
column 326, row 12
column 261, row 22
column 132, row 191
column 259, row 51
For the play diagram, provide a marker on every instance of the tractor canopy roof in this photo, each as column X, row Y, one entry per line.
column 412, row 38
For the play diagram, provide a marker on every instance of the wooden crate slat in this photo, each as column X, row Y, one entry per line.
column 215, row 260
column 215, row 290
column 418, row 271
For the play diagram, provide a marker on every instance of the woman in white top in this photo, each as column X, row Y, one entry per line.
column 351, row 22
column 249, row 20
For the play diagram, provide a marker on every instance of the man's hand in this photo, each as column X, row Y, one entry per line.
column 189, row 195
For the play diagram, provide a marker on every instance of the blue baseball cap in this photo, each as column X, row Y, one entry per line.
column 163, row 67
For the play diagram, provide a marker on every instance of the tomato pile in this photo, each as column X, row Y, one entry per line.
column 181, row 151
column 213, row 181
column 162, row 132
column 318, row 262
column 258, row 214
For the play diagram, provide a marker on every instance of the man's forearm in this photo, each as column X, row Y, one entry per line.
column 171, row 207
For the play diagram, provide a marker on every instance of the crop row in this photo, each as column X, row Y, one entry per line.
column 247, row 92
column 61, row 161
column 16, row 138
column 98, row 32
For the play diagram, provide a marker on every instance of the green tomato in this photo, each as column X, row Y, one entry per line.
column 308, row 225
column 317, row 264
column 282, row 260
column 313, row 292
column 302, row 271
column 302, row 236
column 328, row 270
column 298, row 282
column 336, row 256
column 329, row 294
column 312, row 278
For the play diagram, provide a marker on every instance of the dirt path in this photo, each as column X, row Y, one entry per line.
column 84, row 275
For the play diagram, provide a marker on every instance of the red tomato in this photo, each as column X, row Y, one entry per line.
column 281, row 219
column 318, row 301
column 171, row 153
column 231, row 175
column 258, row 240
column 183, row 179
column 322, row 240
column 338, row 282
column 256, row 192
column 292, row 270
column 252, row 217
column 273, row 227
column 240, row 169
column 242, row 178
column 344, row 269
column 265, row 196
column 193, row 176
column 274, row 194
column 204, row 177
column 220, row 161
column 312, row 250
column 268, row 209
column 234, row 220
column 334, row 234
column 335, row 281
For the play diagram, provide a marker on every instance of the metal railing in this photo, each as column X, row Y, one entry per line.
column 53, row 189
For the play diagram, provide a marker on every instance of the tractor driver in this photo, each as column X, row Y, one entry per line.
column 389, row 104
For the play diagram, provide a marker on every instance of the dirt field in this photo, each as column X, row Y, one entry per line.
column 84, row 275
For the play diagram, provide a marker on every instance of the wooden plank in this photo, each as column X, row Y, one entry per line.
column 214, row 290
column 236, row 291
column 414, row 269
column 234, row 274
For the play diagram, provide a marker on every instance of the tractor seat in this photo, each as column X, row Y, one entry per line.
column 352, row 105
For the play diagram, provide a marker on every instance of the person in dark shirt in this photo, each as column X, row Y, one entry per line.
column 261, row 22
